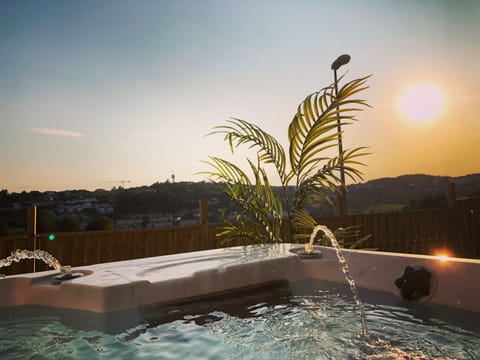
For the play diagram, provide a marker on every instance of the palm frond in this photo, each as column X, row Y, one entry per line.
column 240, row 132
column 303, row 224
column 314, row 126
column 348, row 237
column 225, row 171
column 240, row 230
column 315, row 129
column 256, row 199
column 326, row 178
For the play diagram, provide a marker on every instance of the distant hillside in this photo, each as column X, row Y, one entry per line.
column 180, row 200
column 408, row 189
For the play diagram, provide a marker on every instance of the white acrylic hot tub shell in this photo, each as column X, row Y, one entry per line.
column 165, row 279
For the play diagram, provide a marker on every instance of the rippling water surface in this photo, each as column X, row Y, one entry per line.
column 308, row 320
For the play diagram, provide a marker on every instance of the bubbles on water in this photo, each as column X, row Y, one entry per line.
column 373, row 347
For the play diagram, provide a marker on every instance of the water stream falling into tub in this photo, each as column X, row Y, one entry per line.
column 341, row 259
column 38, row 254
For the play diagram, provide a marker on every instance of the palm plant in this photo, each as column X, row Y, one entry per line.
column 306, row 166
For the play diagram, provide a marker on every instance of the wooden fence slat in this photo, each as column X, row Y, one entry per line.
column 422, row 232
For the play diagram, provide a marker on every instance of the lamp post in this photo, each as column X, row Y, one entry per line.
column 342, row 196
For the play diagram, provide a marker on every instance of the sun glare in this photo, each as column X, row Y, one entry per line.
column 421, row 102
column 443, row 255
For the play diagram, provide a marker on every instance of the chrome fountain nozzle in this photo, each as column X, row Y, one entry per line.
column 308, row 248
column 66, row 274
column 67, row 269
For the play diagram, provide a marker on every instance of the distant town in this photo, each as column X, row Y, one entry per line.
column 177, row 203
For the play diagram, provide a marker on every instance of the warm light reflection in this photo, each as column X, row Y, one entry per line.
column 443, row 256
column 421, row 102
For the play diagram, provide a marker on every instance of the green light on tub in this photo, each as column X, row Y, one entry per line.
column 51, row 237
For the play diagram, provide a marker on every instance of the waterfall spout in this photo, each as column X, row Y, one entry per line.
column 17, row 255
column 341, row 259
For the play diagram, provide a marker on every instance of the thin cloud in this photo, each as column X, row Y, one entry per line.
column 56, row 132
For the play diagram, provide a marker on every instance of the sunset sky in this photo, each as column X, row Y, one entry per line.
column 96, row 94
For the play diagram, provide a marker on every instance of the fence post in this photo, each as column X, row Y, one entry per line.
column 451, row 194
column 203, row 221
column 32, row 230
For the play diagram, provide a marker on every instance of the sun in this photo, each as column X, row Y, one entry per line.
column 421, row 102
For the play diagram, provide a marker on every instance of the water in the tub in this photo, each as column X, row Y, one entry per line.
column 282, row 321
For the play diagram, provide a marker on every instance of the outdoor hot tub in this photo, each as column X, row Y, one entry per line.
column 261, row 301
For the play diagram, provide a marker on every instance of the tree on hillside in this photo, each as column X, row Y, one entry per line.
column 3, row 228
column 101, row 223
column 68, row 223
column 45, row 221
column 436, row 201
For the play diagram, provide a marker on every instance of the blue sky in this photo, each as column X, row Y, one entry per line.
column 96, row 92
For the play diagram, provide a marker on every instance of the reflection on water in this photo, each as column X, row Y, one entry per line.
column 283, row 321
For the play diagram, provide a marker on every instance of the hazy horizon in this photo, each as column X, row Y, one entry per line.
column 128, row 186
column 102, row 94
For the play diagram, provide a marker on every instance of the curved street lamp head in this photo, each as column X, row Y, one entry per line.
column 341, row 60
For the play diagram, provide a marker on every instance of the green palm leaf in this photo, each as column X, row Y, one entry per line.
column 256, row 199
column 313, row 131
column 240, row 132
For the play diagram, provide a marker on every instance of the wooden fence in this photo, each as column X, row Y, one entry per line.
column 422, row 232
column 418, row 232
column 93, row 247
column 454, row 230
